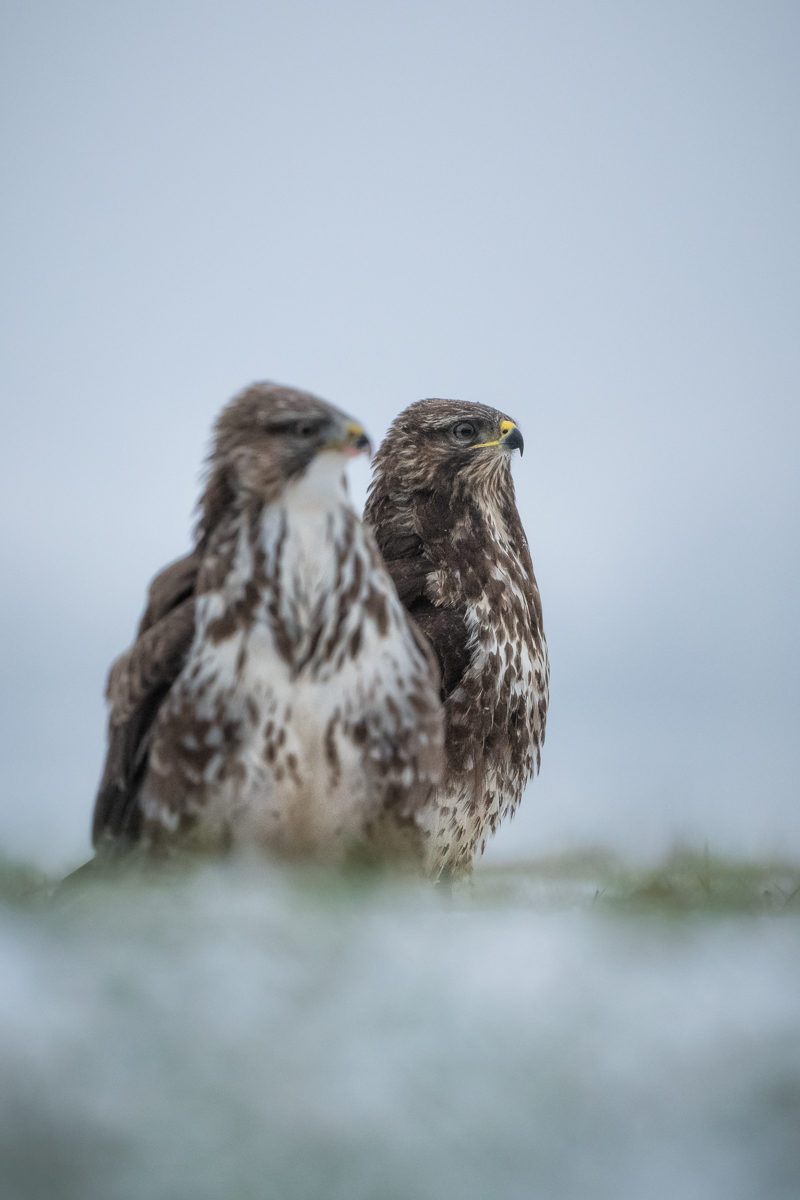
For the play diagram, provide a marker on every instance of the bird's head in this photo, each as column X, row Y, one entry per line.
column 269, row 435
column 436, row 443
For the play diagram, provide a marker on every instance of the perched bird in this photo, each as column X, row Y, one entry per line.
column 277, row 694
column 442, row 507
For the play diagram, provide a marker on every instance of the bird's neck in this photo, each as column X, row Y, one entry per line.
column 484, row 508
column 321, row 486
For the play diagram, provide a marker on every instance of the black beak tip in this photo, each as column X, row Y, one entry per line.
column 515, row 441
column 363, row 443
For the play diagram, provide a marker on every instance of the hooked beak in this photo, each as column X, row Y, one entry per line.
column 351, row 440
column 356, row 441
column 511, row 438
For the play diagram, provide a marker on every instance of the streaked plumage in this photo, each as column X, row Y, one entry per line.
column 444, row 514
column 277, row 694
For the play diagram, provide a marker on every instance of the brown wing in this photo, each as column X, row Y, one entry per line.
column 137, row 684
column 445, row 628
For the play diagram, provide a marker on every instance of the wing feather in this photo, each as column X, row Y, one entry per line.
column 411, row 567
column 137, row 684
column 447, row 632
column 444, row 628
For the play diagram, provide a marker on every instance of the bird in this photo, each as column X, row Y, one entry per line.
column 442, row 507
column 277, row 696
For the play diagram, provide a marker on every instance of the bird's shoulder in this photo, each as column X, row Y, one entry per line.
column 165, row 632
column 175, row 583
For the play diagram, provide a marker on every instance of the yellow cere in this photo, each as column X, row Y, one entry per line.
column 505, row 429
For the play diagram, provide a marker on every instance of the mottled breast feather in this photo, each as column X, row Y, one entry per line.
column 446, row 521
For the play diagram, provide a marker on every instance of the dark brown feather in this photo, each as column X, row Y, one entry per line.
column 169, row 588
column 447, row 632
column 137, row 684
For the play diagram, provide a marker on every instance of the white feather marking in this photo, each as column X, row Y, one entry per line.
column 287, row 682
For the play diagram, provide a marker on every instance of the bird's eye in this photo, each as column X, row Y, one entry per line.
column 305, row 429
column 464, row 431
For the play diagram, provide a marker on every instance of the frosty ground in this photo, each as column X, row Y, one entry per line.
column 564, row 1028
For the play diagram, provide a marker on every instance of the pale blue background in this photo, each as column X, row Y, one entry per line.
column 585, row 214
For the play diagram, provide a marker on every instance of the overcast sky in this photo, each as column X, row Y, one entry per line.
column 584, row 214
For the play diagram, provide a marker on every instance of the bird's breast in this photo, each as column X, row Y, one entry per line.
column 299, row 582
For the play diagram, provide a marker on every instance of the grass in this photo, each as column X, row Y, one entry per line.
column 20, row 882
column 687, row 881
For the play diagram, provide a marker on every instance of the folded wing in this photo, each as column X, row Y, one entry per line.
column 137, row 684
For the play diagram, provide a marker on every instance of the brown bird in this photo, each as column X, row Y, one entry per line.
column 443, row 511
column 276, row 694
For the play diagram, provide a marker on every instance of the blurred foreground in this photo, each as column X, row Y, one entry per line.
column 563, row 1028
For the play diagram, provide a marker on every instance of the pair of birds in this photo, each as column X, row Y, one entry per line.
column 311, row 684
